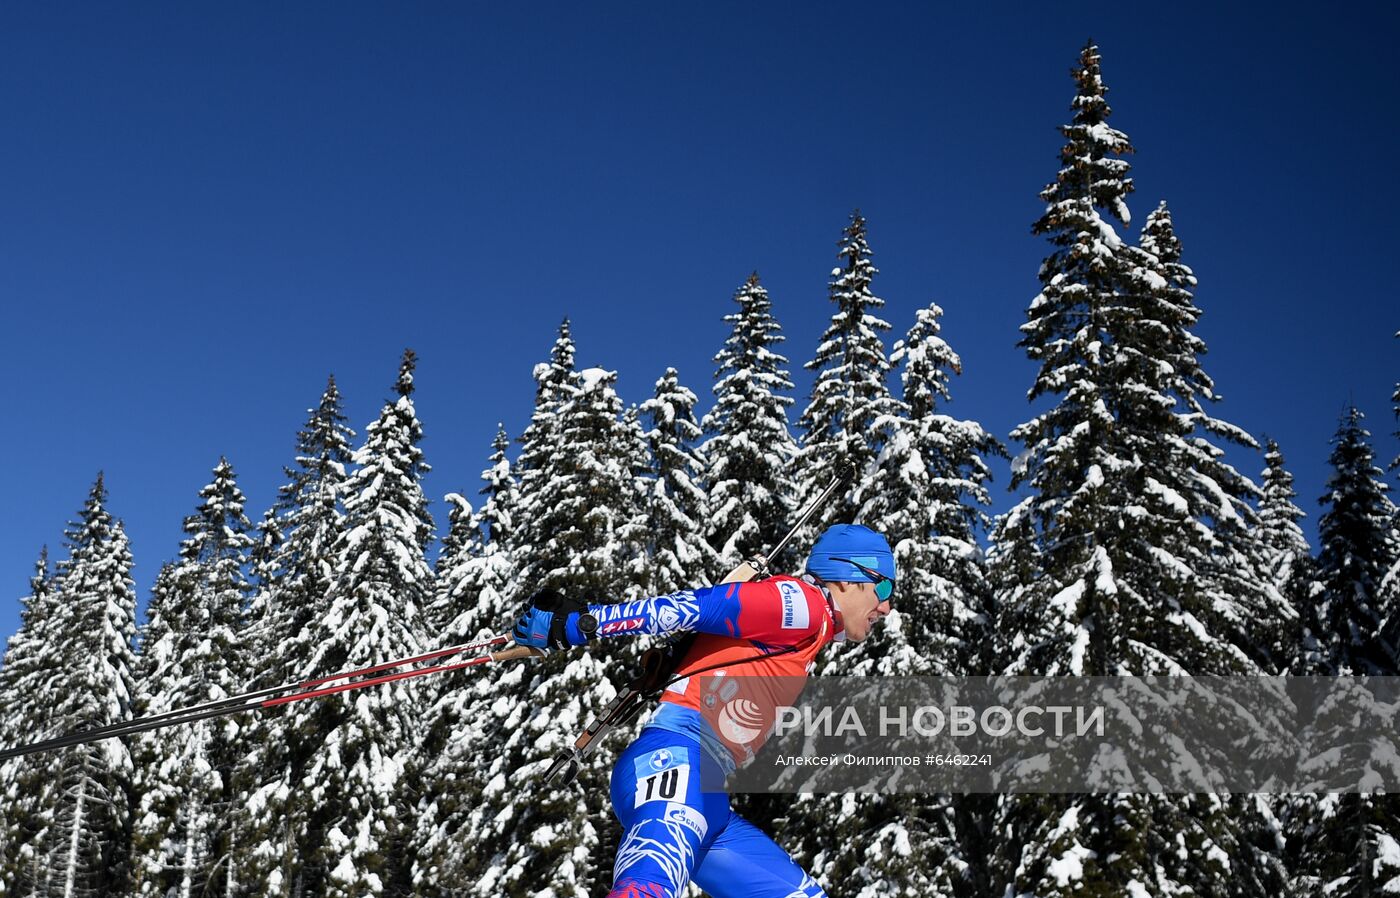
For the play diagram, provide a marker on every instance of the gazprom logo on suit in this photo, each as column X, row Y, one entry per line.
column 794, row 606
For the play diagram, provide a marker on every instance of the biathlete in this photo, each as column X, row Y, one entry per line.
column 755, row 642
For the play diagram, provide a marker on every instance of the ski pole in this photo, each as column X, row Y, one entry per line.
column 272, row 696
column 756, row 568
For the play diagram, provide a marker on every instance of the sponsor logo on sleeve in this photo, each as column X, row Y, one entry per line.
column 794, row 606
column 621, row 626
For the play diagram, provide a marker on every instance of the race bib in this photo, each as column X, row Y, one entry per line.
column 663, row 775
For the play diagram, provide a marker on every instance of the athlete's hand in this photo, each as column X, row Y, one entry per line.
column 551, row 621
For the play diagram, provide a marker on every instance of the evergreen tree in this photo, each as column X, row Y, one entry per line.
column 496, row 519
column 1130, row 510
column 86, row 817
column 1348, row 845
column 474, row 570
column 582, row 525
column 848, row 416
column 1390, row 586
column 1117, row 447
column 358, row 780
column 263, row 559
column 925, row 496
column 1234, row 562
column 24, row 656
column 1278, row 522
column 1343, row 830
column 192, row 651
column 1356, row 552
column 749, row 450
column 295, row 571
column 459, row 546
column 1343, row 843
column 25, row 690
column 681, row 558
column 580, row 530
column 473, row 580
column 300, row 571
column 556, row 381
column 1288, row 557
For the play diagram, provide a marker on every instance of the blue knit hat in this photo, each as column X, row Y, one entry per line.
column 856, row 543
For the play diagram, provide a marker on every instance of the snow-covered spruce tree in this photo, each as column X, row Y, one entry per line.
column 87, row 812
column 295, row 570
column 1343, row 832
column 851, row 407
column 459, row 546
column 1390, row 586
column 1355, row 552
column 496, row 520
column 1118, row 474
column 1263, row 622
column 358, row 782
column 681, row 558
column 581, row 514
column 580, row 530
column 1346, row 844
column 474, row 569
column 193, row 651
column 540, row 466
column 25, row 694
column 473, row 581
column 748, row 449
column 1124, row 492
column 925, row 495
column 24, row 657
column 1288, row 557
column 268, row 537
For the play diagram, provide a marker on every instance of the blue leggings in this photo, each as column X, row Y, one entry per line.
column 674, row 831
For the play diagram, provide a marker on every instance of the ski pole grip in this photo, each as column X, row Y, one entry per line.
column 745, row 572
column 516, row 652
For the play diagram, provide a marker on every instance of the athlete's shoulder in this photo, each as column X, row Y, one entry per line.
column 781, row 606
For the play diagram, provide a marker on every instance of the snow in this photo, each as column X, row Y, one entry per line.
column 345, row 870
column 1103, row 565
column 1067, row 600
column 1178, row 568
column 1388, row 851
column 1168, row 495
column 1069, row 866
column 592, row 378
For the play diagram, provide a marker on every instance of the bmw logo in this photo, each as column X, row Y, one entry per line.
column 660, row 759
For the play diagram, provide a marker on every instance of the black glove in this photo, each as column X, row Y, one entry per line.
column 551, row 621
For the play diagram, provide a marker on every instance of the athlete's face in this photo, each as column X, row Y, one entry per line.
column 860, row 608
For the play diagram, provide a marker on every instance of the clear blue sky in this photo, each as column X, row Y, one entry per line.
column 206, row 208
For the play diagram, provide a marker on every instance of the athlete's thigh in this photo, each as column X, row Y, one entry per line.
column 742, row 862
column 667, row 819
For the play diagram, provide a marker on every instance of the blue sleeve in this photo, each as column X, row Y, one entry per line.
column 710, row 609
column 780, row 611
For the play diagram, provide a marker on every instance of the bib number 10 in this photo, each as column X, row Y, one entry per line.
column 668, row 785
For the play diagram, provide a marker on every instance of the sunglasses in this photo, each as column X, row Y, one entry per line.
column 884, row 586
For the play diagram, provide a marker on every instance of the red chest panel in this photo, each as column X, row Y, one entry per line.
column 740, row 701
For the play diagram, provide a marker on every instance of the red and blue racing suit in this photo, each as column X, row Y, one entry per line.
column 675, row 830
